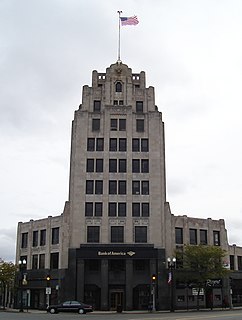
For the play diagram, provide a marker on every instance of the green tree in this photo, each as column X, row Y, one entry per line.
column 7, row 275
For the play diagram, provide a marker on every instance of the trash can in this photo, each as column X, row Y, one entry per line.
column 119, row 308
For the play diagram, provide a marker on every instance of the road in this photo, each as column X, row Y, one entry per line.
column 194, row 315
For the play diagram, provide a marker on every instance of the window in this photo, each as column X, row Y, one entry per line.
column 35, row 261
column 112, row 165
column 135, row 145
column 114, row 124
column 117, row 234
column 144, row 165
column 216, row 238
column 98, row 187
column 231, row 261
column 122, row 124
column 55, row 235
column 100, row 144
column 145, row 209
column 140, row 126
column 42, row 261
column 99, row 165
column 112, row 187
column 145, row 187
column 179, row 235
column 113, row 144
column 203, row 237
column 97, row 106
column 112, row 209
column 136, row 209
column 95, row 124
column 239, row 262
column 140, row 234
column 193, row 236
column 43, row 237
column 144, row 145
column 93, row 233
column 139, row 106
column 122, row 187
column 89, row 186
column 90, row 165
column 54, row 260
column 98, row 209
column 121, row 102
column 118, row 86
column 135, row 165
column 135, row 187
column 35, row 238
column 88, row 209
column 90, row 144
column 122, row 144
column 122, row 165
column 115, row 102
column 24, row 240
column 122, row 209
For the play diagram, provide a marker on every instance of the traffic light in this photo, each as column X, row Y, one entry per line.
column 153, row 278
column 48, row 280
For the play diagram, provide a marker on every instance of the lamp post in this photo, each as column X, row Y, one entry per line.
column 22, row 264
column 171, row 266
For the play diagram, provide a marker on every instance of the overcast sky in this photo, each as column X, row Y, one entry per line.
column 191, row 51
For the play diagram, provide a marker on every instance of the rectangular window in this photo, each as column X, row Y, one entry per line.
column 93, row 234
column 95, row 124
column 179, row 235
column 89, row 186
column 55, row 235
column 231, row 261
column 239, row 263
column 42, row 261
column 145, row 209
column 43, row 237
column 97, row 106
column 122, row 165
column 100, row 144
column 122, row 124
column 112, row 165
column 54, row 260
column 193, row 236
column 122, row 187
column 35, row 261
column 90, row 144
column 88, row 209
column 144, row 165
column 112, row 209
column 117, row 234
column 122, row 144
column 203, row 237
column 98, row 209
column 99, row 187
column 140, row 125
column 135, row 165
column 35, row 238
column 114, row 124
column 139, row 106
column 216, row 238
column 144, row 145
column 90, row 165
column 145, row 187
column 112, row 187
column 135, row 209
column 122, row 209
column 24, row 240
column 99, row 165
column 135, row 187
column 135, row 145
column 113, row 144
column 140, row 234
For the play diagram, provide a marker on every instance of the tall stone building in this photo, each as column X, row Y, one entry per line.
column 116, row 230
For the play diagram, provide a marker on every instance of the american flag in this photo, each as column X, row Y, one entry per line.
column 125, row 21
column 169, row 278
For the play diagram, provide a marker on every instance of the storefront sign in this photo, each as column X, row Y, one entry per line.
column 115, row 253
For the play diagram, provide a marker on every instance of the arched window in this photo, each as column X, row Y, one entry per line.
column 118, row 86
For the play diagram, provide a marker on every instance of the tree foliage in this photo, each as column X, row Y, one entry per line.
column 7, row 275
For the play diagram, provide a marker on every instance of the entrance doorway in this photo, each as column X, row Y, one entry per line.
column 116, row 299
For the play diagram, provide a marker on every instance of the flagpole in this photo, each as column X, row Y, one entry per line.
column 119, row 12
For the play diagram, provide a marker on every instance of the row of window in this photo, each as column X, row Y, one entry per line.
column 232, row 262
column 193, row 236
column 97, row 144
column 117, row 209
column 118, row 124
column 118, row 165
column 97, row 105
column 39, row 237
column 38, row 261
column 117, row 187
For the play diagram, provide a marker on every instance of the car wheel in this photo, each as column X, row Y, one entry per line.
column 81, row 311
column 52, row 310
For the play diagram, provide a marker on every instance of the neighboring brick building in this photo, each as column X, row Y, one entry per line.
column 116, row 229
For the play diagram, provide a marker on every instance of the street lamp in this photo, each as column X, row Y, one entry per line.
column 171, row 266
column 22, row 264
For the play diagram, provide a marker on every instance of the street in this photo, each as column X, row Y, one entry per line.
column 193, row 315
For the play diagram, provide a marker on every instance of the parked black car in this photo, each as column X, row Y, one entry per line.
column 70, row 306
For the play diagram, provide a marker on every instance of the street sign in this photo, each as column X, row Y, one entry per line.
column 48, row 290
